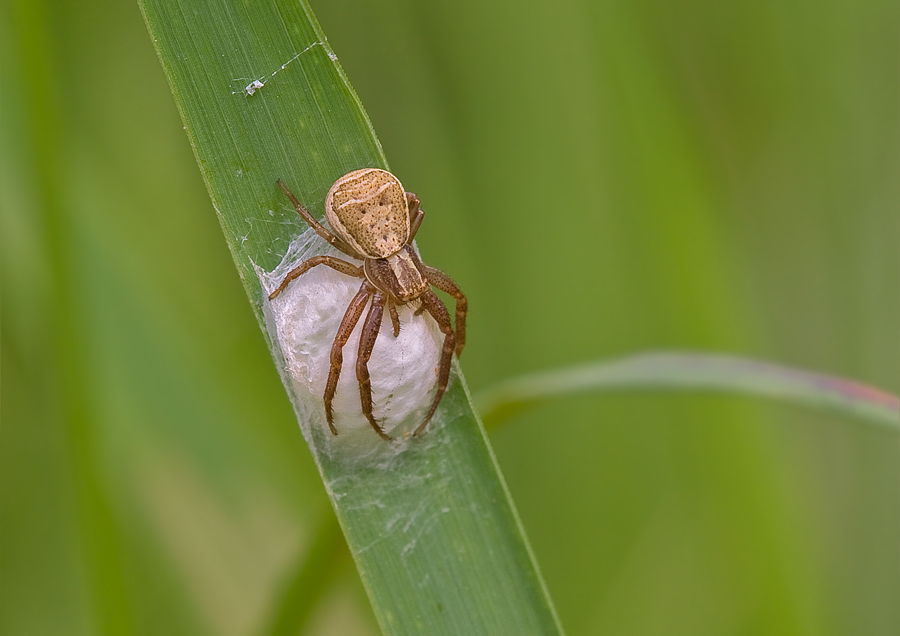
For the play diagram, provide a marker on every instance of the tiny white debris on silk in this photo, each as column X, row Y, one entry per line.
column 258, row 83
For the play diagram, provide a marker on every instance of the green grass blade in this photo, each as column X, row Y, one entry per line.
column 431, row 526
column 693, row 372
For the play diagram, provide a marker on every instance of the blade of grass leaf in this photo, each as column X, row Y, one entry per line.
column 677, row 371
column 435, row 536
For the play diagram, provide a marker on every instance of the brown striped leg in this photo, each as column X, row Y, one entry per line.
column 443, row 282
column 415, row 215
column 366, row 343
column 320, row 229
column 395, row 318
column 334, row 263
column 351, row 317
column 435, row 307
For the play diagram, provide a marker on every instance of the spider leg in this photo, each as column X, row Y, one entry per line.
column 366, row 343
column 334, row 263
column 320, row 229
column 395, row 319
column 438, row 311
column 443, row 282
column 351, row 317
column 415, row 215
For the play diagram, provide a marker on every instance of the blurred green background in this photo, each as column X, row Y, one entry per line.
column 600, row 178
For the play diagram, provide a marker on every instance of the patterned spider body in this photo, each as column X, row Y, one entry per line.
column 369, row 210
column 375, row 220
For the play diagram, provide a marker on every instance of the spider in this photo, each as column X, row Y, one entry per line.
column 375, row 221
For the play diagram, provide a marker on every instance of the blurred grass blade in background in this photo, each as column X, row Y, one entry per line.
column 433, row 531
column 682, row 371
column 310, row 579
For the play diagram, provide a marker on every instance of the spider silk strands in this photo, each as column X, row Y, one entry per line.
column 430, row 523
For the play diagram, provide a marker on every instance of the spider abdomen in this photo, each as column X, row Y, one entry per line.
column 368, row 209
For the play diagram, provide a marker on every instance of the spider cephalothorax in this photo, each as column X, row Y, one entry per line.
column 375, row 221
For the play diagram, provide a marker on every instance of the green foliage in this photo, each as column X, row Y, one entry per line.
column 429, row 524
column 679, row 371
column 600, row 178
